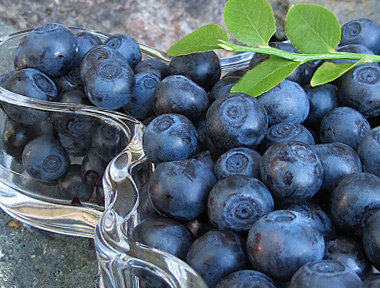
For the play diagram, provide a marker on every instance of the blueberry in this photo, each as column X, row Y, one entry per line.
column 223, row 87
column 291, row 171
column 349, row 252
column 92, row 168
column 325, row 273
column 14, row 137
column 345, row 125
column 51, row 48
column 77, row 147
column 109, row 84
column 180, row 188
column 86, row 40
column 73, row 125
column 322, row 99
column 45, row 159
column 126, row 46
column 95, row 55
column 145, row 208
column 371, row 239
column 237, row 202
column 164, row 234
column 354, row 196
column 237, row 121
column 72, row 186
column 75, row 96
column 359, row 89
column 32, row 83
column 362, row 31
column 203, row 68
column 170, row 137
column 108, row 141
column 368, row 151
column 286, row 102
column 216, row 254
column 205, row 157
column 279, row 243
column 140, row 105
column 246, row 279
column 179, row 94
column 337, row 160
column 238, row 161
column 152, row 65
column 69, row 81
column 282, row 132
column 371, row 280
column 319, row 219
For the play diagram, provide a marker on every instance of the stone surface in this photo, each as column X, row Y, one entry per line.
column 33, row 258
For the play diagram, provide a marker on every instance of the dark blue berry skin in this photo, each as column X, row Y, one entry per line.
column 353, row 198
column 203, row 68
column 325, row 273
column 200, row 225
column 216, row 254
column 86, row 40
column 349, row 252
column 126, row 46
column 246, row 279
column 371, row 280
column 33, row 83
column 205, row 157
column 77, row 147
column 359, row 89
column 51, row 48
column 291, row 171
column 72, row 186
column 337, row 160
column 223, row 87
column 362, row 31
column 279, row 243
column 179, row 189
column 92, row 168
column 164, row 234
column 237, row 202
column 108, row 141
column 152, row 65
column 345, row 125
column 179, row 94
column 351, row 48
column 75, row 96
column 145, row 208
column 69, row 81
column 282, row 132
column 170, row 137
column 238, row 161
column 4, row 78
column 45, row 159
column 319, row 219
column 322, row 100
column 109, row 84
column 14, row 137
column 286, row 102
column 95, row 55
column 368, row 151
column 72, row 125
column 237, row 121
column 140, row 106
column 371, row 239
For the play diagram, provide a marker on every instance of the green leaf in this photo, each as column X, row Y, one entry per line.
column 265, row 76
column 250, row 21
column 312, row 29
column 330, row 71
column 203, row 39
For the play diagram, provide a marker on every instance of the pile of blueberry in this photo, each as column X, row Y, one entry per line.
column 282, row 190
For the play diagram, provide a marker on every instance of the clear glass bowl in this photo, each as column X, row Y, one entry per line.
column 121, row 261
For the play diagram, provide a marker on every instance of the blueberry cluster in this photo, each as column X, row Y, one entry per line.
column 282, row 190
column 278, row 190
